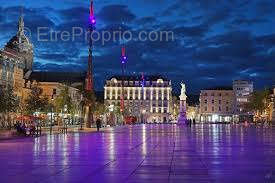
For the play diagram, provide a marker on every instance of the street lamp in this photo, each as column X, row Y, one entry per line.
column 51, row 125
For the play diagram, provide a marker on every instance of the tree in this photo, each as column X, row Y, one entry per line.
column 35, row 102
column 100, row 109
column 258, row 102
column 64, row 99
column 9, row 102
column 117, row 112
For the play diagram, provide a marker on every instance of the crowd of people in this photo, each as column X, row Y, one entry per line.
column 25, row 129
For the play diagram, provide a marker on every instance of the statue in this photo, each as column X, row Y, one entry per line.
column 182, row 116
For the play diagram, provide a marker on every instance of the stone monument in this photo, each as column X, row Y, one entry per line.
column 182, row 116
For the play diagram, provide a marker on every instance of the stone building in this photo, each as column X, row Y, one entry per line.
column 217, row 105
column 21, row 46
column 16, row 59
column 11, row 71
column 147, row 98
column 242, row 90
column 52, row 83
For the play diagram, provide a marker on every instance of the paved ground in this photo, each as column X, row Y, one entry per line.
column 152, row 153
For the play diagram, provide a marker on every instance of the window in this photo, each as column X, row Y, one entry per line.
column 159, row 104
column 213, row 101
column 220, row 94
column 213, row 109
column 205, row 108
column 220, row 102
column 205, row 101
column 220, row 109
column 54, row 91
column 227, row 109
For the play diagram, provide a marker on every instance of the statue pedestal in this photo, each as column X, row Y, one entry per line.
column 182, row 120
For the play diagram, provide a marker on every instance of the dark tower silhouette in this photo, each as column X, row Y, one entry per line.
column 89, row 77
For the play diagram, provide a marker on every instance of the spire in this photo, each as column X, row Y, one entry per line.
column 89, row 77
column 21, row 24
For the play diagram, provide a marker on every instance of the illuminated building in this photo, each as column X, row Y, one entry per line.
column 242, row 90
column 11, row 70
column 217, row 105
column 147, row 98
column 16, row 59
column 21, row 46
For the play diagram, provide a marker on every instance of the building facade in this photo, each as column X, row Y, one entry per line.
column 146, row 98
column 15, row 59
column 11, row 71
column 217, row 105
column 271, row 106
column 21, row 46
column 242, row 90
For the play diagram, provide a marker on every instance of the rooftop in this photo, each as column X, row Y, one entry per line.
column 219, row 88
column 70, row 77
column 138, row 77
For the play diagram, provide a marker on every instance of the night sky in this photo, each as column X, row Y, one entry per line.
column 215, row 41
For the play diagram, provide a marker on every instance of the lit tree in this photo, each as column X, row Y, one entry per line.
column 258, row 102
column 9, row 102
column 100, row 109
column 64, row 99
column 36, row 102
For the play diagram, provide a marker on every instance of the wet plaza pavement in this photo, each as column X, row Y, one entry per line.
column 144, row 153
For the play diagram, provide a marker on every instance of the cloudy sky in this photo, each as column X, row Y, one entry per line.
column 214, row 41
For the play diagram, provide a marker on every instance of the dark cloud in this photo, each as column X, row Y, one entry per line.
column 247, row 21
column 265, row 7
column 75, row 14
column 145, row 21
column 192, row 31
column 116, row 13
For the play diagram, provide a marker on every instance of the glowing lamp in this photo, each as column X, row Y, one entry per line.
column 123, row 59
column 92, row 20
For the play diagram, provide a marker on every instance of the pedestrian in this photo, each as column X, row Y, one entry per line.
column 98, row 124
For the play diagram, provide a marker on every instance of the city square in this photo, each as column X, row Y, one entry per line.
column 144, row 153
column 137, row 91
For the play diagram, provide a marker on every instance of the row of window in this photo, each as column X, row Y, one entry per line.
column 213, row 101
column 108, row 97
column 213, row 94
column 147, row 92
column 219, row 108
column 138, row 83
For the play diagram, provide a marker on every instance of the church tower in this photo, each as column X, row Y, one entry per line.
column 21, row 45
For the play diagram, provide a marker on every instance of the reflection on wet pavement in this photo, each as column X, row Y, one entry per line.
column 144, row 153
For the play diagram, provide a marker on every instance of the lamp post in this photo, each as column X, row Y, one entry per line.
column 51, row 125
